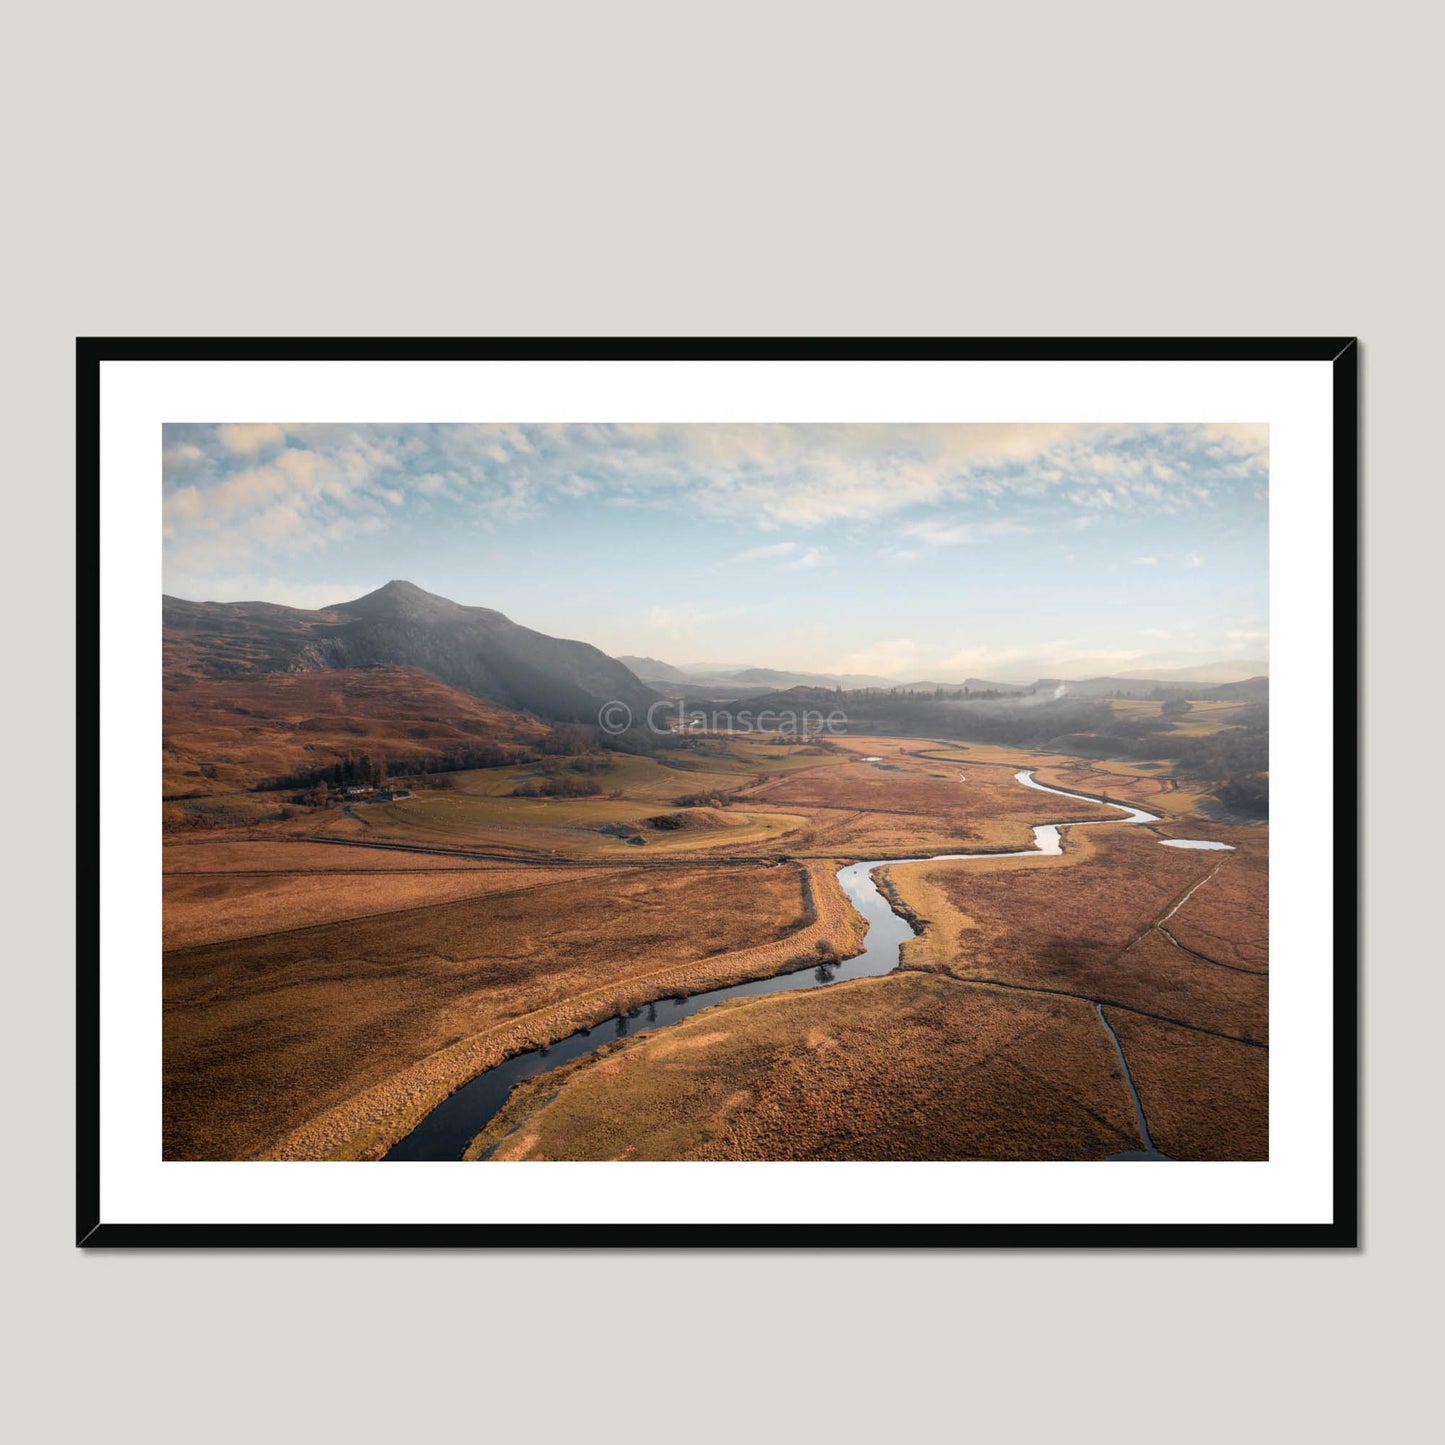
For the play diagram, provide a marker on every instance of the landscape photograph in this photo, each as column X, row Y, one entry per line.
column 715, row 792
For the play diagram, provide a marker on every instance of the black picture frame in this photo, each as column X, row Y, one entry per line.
column 1343, row 1231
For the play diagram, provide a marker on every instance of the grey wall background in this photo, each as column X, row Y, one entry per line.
column 660, row 169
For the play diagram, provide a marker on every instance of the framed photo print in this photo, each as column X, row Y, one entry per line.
column 719, row 792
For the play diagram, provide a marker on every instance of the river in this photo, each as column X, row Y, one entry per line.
column 458, row 1119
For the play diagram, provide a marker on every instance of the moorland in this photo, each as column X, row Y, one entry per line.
column 399, row 850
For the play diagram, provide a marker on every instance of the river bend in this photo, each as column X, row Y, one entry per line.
column 457, row 1120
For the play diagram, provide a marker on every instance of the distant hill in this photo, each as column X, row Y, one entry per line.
column 713, row 680
column 649, row 669
column 1216, row 672
column 878, row 701
column 702, row 675
column 475, row 649
column 227, row 733
column 773, row 677
column 792, row 698
column 1252, row 689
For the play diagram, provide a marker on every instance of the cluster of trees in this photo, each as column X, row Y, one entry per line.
column 366, row 771
column 557, row 785
column 566, row 777
column 1248, row 795
column 351, row 772
column 702, row 800
column 587, row 763
column 957, row 694
column 1003, row 720
column 1236, row 758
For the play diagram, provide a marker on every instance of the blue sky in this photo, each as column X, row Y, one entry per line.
column 1005, row 551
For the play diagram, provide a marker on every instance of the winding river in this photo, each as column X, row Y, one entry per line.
column 458, row 1119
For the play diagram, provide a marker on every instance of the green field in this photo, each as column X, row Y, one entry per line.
column 480, row 811
column 1203, row 717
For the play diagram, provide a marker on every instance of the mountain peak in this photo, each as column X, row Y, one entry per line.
column 400, row 588
column 399, row 599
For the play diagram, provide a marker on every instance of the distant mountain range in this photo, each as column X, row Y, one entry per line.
column 650, row 670
column 472, row 648
column 822, row 699
column 482, row 652
column 1218, row 672
column 716, row 680
column 1138, row 684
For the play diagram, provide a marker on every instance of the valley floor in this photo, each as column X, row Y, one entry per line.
column 332, row 975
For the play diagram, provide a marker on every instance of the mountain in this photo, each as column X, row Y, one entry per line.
column 875, row 702
column 1217, row 672
column 222, row 734
column 772, row 677
column 1252, row 689
column 724, row 675
column 649, row 669
column 475, row 649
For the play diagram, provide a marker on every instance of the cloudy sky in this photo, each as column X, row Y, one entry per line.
column 1005, row 551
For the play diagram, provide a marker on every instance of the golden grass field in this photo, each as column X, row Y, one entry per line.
column 1089, row 924
column 366, row 1123
column 874, row 1069
column 213, row 907
column 262, row 1034
column 280, row 851
column 913, row 804
column 1204, row 1097
column 901, row 1067
column 331, row 974
column 532, row 828
column 1204, row 717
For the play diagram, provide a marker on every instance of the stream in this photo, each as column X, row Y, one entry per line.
column 457, row 1120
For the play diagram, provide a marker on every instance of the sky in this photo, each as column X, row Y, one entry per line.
column 916, row 552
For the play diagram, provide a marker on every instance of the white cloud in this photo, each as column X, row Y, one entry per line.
column 237, row 494
column 809, row 559
column 1245, row 640
column 181, row 458
column 1250, row 439
column 889, row 658
column 942, row 532
column 768, row 553
column 1060, row 658
column 977, row 660
column 247, row 441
